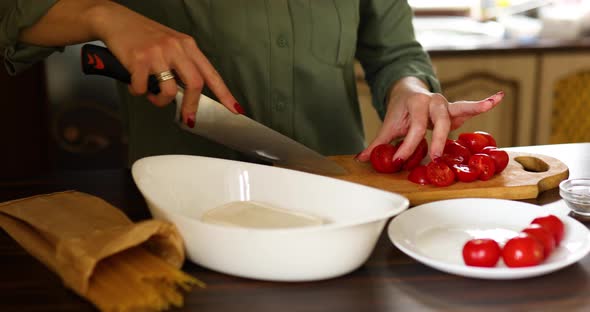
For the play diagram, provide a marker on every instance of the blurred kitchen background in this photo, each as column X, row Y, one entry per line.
column 537, row 52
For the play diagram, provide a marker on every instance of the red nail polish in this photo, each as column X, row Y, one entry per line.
column 356, row 157
column 190, row 121
column 397, row 164
column 239, row 108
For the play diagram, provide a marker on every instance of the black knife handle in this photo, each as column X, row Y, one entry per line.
column 97, row 60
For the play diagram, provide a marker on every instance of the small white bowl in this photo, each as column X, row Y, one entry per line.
column 181, row 188
column 576, row 194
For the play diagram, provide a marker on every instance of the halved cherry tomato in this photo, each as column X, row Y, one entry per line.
column 522, row 251
column 455, row 153
column 418, row 175
column 481, row 252
column 485, row 164
column 465, row 173
column 499, row 156
column 475, row 142
column 382, row 159
column 552, row 224
column 543, row 236
column 439, row 173
column 491, row 140
column 416, row 158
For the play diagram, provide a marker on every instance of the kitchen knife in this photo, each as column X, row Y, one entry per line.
column 217, row 123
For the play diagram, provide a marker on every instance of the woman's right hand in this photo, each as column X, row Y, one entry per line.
column 146, row 47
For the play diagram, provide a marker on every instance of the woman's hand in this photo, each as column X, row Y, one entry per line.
column 412, row 109
column 146, row 47
column 142, row 45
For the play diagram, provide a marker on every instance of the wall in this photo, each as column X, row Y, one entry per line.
column 23, row 124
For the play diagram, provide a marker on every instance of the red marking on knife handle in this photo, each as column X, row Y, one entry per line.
column 101, row 61
column 96, row 61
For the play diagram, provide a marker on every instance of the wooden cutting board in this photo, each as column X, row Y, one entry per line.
column 525, row 177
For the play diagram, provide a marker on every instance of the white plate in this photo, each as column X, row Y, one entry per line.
column 435, row 233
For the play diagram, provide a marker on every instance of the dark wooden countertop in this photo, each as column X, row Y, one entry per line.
column 389, row 281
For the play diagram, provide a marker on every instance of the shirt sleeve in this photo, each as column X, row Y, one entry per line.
column 14, row 16
column 387, row 49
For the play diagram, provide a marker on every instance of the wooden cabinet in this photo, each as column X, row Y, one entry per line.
column 563, row 109
column 547, row 93
column 477, row 77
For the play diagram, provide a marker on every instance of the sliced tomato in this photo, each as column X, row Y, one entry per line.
column 455, row 153
column 465, row 173
column 481, row 252
column 553, row 224
column 522, row 251
column 485, row 164
column 499, row 156
column 418, row 175
column 382, row 159
column 545, row 237
column 475, row 142
column 491, row 140
column 439, row 173
column 416, row 158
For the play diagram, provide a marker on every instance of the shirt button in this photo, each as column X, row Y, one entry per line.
column 282, row 42
column 280, row 106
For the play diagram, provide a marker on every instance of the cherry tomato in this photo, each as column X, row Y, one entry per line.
column 465, row 173
column 552, row 224
column 418, row 175
column 416, row 158
column 499, row 156
column 543, row 236
column 439, row 173
column 475, row 142
column 485, row 164
column 455, row 153
column 481, row 252
column 382, row 158
column 522, row 251
column 491, row 140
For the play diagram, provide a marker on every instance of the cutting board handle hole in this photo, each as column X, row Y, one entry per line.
column 532, row 164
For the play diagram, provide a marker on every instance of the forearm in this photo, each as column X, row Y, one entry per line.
column 69, row 22
column 388, row 50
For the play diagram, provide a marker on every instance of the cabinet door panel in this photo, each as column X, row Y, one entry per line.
column 475, row 78
column 501, row 121
column 564, row 99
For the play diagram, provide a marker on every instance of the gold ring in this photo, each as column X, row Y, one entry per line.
column 165, row 75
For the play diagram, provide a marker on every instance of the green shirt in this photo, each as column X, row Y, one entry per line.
column 289, row 63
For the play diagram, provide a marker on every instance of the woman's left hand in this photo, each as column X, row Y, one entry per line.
column 412, row 109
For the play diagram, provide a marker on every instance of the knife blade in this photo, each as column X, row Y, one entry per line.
column 215, row 122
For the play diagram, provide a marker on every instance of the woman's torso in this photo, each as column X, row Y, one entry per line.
column 288, row 63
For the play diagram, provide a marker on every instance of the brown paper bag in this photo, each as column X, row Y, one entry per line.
column 72, row 233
